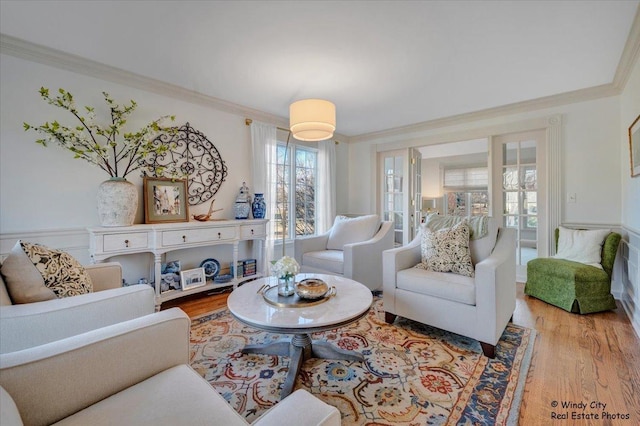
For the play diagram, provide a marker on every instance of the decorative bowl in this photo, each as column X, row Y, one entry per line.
column 311, row 288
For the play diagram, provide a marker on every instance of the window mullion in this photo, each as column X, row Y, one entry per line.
column 292, row 192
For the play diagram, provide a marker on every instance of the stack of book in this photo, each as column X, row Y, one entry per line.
column 246, row 267
column 249, row 267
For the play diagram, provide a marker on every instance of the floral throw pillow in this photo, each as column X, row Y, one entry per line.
column 61, row 272
column 447, row 250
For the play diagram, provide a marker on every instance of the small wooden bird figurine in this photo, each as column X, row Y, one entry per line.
column 205, row 217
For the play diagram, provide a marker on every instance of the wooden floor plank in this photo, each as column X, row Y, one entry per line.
column 594, row 359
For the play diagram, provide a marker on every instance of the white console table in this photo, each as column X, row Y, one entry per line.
column 158, row 239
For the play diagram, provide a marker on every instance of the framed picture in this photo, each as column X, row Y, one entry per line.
column 192, row 278
column 634, row 146
column 165, row 200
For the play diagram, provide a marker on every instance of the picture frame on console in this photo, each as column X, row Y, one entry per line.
column 634, row 147
column 165, row 200
column 192, row 278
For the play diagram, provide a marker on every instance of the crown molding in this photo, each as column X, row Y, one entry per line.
column 560, row 99
column 34, row 52
column 52, row 57
column 56, row 58
column 628, row 59
column 630, row 54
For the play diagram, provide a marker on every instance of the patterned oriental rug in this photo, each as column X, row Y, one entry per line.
column 413, row 374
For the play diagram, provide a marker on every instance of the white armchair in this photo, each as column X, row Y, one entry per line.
column 351, row 248
column 478, row 307
column 134, row 372
column 31, row 324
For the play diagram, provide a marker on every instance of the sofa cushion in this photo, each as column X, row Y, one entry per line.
column 327, row 260
column 579, row 245
column 34, row 273
column 447, row 250
column 567, row 270
column 173, row 397
column 348, row 230
column 444, row 285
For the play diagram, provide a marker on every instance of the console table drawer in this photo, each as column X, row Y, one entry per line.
column 192, row 236
column 115, row 242
column 248, row 232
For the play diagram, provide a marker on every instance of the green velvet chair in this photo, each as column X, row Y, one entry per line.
column 574, row 286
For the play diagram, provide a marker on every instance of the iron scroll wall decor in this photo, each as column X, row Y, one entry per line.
column 190, row 154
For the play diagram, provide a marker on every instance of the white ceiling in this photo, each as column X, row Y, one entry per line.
column 385, row 64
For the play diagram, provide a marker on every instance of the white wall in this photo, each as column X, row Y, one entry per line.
column 431, row 182
column 45, row 189
column 629, row 110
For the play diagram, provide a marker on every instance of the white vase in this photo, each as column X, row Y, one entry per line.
column 117, row 202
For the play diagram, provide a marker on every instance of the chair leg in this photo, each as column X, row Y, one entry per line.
column 389, row 318
column 488, row 350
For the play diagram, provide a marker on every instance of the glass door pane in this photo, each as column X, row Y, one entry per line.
column 393, row 197
column 518, row 161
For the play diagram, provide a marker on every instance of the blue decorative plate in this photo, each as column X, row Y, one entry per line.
column 211, row 267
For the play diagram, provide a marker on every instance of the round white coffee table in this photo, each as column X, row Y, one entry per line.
column 351, row 302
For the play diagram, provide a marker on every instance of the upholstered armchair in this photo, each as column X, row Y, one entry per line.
column 31, row 324
column 107, row 358
column 131, row 373
column 351, row 248
column 477, row 306
column 576, row 284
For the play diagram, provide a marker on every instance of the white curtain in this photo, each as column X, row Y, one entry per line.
column 263, row 145
column 326, row 198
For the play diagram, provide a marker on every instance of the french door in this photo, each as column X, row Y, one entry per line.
column 519, row 192
column 400, row 197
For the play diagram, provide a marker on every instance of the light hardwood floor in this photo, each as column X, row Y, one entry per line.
column 592, row 359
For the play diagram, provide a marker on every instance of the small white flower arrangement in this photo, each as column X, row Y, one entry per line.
column 286, row 267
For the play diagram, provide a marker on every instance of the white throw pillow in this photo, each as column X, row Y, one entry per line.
column 348, row 230
column 581, row 245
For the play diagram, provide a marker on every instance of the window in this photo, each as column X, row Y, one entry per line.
column 302, row 201
column 466, row 191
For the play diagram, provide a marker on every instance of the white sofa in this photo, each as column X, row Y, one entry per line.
column 106, row 358
column 351, row 248
column 478, row 307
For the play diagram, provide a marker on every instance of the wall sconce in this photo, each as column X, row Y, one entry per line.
column 312, row 119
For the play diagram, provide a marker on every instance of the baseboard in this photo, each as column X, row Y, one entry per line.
column 629, row 309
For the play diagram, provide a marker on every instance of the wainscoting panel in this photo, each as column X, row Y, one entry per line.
column 74, row 241
column 630, row 296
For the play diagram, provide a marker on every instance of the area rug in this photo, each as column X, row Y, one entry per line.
column 412, row 375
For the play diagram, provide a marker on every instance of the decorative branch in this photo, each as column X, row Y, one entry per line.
column 84, row 139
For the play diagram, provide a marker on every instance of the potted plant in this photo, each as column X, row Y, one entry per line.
column 116, row 152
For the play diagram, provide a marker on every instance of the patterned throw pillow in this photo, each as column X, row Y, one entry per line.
column 34, row 273
column 61, row 272
column 447, row 250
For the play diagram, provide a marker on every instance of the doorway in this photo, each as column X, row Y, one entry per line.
column 519, row 192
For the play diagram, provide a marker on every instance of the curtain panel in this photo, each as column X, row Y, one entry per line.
column 263, row 145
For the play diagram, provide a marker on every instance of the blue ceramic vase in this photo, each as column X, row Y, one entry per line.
column 258, row 207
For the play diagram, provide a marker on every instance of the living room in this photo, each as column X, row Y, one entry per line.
column 48, row 197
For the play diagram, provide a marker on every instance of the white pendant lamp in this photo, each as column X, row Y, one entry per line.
column 312, row 119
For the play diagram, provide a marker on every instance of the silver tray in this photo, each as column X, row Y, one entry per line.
column 271, row 296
